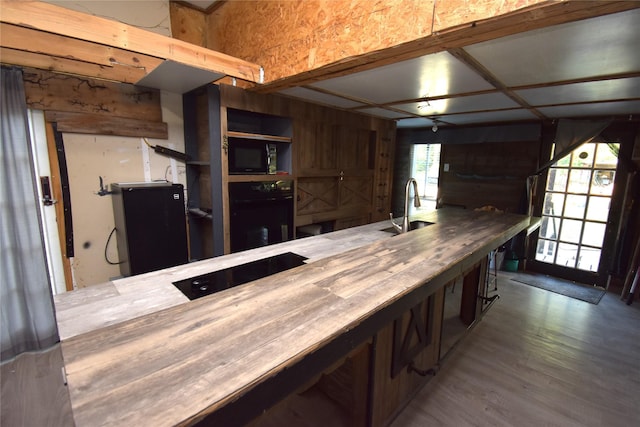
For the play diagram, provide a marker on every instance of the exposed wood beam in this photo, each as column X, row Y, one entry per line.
column 76, row 25
column 463, row 56
column 541, row 15
column 117, row 73
column 100, row 124
column 58, row 92
column 34, row 41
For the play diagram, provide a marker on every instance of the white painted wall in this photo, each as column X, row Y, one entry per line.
column 116, row 159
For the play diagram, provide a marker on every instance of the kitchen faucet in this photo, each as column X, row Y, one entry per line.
column 416, row 202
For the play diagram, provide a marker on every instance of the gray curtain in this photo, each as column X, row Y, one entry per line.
column 26, row 302
column 570, row 134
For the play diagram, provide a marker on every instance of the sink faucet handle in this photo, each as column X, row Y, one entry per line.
column 396, row 226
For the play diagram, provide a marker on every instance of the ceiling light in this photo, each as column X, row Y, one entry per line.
column 434, row 127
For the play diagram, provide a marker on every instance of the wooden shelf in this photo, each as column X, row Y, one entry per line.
column 263, row 177
column 260, row 137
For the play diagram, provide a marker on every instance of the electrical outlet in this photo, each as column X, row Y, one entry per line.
column 446, row 167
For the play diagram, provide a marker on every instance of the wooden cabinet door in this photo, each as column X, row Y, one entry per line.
column 316, row 149
column 317, row 195
column 356, row 191
column 355, row 149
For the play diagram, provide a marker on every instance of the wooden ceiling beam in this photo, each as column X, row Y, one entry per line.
column 80, row 26
column 114, row 73
column 28, row 47
column 538, row 16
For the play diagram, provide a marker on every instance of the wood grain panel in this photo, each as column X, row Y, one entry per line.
column 316, row 148
column 68, row 66
column 50, row 91
column 355, row 148
column 326, row 142
column 487, row 174
column 100, row 124
column 210, row 352
column 392, row 393
column 356, row 191
column 383, row 172
column 317, row 195
column 291, row 37
column 58, row 20
column 187, row 24
column 29, row 47
column 539, row 15
column 524, row 364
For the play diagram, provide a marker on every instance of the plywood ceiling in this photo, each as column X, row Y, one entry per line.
column 587, row 68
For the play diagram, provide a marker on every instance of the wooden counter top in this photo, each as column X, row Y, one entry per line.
column 178, row 364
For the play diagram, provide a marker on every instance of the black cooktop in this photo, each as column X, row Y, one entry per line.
column 206, row 284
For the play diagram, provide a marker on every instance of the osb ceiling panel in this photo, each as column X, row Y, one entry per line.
column 586, row 68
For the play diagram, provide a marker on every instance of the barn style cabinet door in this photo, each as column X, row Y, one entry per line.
column 335, row 174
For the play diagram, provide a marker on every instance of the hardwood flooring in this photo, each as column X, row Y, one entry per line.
column 33, row 391
column 536, row 358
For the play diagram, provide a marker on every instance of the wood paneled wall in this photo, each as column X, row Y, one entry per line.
column 326, row 142
column 491, row 173
column 85, row 105
column 486, row 165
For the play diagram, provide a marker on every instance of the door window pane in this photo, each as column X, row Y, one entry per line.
column 583, row 156
column 546, row 250
column 575, row 206
column 571, row 230
column 603, row 182
column 549, row 227
column 553, row 203
column 557, row 180
column 598, row 209
column 593, row 233
column 579, row 180
column 607, row 156
column 567, row 255
column 589, row 259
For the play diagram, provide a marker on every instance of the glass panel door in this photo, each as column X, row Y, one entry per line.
column 425, row 166
column 576, row 207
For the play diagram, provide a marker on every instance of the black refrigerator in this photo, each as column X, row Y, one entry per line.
column 151, row 228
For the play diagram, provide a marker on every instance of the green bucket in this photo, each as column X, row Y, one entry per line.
column 510, row 265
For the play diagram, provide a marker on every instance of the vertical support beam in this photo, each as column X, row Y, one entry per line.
column 218, row 189
column 57, row 194
column 472, row 282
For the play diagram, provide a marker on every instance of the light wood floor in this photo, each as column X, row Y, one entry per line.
column 33, row 391
column 539, row 359
column 536, row 358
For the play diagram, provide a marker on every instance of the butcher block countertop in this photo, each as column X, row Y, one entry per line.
column 138, row 352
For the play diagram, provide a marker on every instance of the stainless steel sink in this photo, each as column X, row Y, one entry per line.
column 413, row 225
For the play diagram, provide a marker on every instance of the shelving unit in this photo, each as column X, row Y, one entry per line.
column 205, row 201
column 209, row 129
column 263, row 128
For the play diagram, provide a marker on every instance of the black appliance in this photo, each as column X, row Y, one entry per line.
column 247, row 156
column 261, row 213
column 206, row 284
column 151, row 228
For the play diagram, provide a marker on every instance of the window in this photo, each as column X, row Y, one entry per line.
column 425, row 166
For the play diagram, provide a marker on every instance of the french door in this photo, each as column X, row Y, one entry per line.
column 575, row 212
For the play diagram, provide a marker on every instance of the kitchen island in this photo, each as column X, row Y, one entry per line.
column 138, row 352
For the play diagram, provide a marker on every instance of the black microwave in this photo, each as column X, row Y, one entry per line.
column 251, row 157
